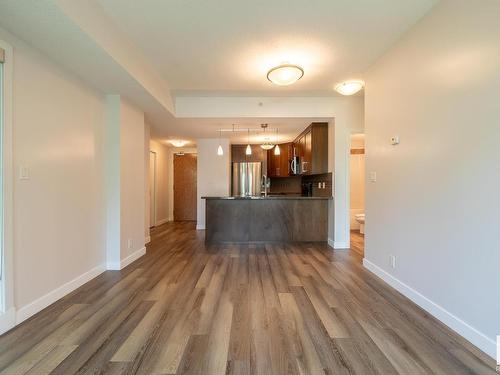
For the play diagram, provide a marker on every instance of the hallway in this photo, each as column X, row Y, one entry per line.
column 273, row 309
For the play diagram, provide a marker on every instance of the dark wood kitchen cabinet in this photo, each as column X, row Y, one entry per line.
column 311, row 147
column 279, row 165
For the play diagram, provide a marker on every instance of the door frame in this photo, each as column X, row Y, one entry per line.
column 152, row 189
column 7, row 307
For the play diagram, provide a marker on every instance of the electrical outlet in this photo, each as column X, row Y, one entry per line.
column 129, row 243
column 393, row 261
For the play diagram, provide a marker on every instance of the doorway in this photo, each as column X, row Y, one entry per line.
column 357, row 192
column 185, row 187
column 152, row 189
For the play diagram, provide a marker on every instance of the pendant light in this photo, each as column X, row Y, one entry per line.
column 248, row 150
column 277, row 150
column 220, row 151
column 266, row 145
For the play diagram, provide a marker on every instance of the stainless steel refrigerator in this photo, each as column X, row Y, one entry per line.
column 247, row 179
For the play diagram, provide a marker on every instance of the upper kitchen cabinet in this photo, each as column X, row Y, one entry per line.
column 311, row 146
column 279, row 165
column 238, row 154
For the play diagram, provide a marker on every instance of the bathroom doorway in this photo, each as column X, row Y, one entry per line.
column 357, row 192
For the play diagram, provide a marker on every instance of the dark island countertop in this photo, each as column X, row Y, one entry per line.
column 269, row 197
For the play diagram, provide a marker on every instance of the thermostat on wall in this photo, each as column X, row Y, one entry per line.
column 395, row 140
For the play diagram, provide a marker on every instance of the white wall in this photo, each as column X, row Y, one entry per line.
column 58, row 217
column 124, row 163
column 59, row 134
column 147, row 203
column 436, row 202
column 163, row 170
column 132, row 184
column 213, row 173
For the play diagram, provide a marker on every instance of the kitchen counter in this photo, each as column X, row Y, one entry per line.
column 266, row 219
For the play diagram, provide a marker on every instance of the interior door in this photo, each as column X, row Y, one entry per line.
column 152, row 189
column 185, row 187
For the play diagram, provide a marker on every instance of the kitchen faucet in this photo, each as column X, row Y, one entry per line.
column 267, row 184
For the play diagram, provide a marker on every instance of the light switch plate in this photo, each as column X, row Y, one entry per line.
column 372, row 176
column 24, row 173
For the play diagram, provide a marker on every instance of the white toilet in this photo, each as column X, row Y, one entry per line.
column 360, row 218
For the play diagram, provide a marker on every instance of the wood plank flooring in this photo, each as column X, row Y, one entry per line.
column 185, row 308
column 358, row 242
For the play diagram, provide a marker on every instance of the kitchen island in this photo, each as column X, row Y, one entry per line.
column 266, row 219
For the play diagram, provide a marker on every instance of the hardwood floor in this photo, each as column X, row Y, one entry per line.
column 358, row 242
column 274, row 309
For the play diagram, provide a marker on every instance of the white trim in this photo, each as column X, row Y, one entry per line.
column 115, row 266
column 7, row 320
column 331, row 243
column 147, row 240
column 39, row 304
column 152, row 189
column 7, row 284
column 340, row 245
column 470, row 333
column 162, row 221
column 200, row 226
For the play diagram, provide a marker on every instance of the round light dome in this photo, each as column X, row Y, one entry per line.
column 267, row 146
column 349, row 87
column 285, row 74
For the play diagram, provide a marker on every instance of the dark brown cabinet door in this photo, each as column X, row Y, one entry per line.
column 279, row 165
column 306, row 159
column 312, row 148
column 319, row 148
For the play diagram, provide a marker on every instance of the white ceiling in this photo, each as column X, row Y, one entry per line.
column 229, row 45
column 147, row 50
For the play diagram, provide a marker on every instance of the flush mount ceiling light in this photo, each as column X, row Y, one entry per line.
column 178, row 142
column 349, row 87
column 285, row 74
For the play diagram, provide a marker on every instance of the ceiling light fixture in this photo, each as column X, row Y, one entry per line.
column 285, row 74
column 277, row 150
column 220, row 151
column 266, row 145
column 248, row 150
column 349, row 87
column 178, row 142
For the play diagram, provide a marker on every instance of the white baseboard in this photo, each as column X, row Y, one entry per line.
column 39, row 304
column 338, row 245
column 147, row 240
column 200, row 226
column 471, row 334
column 162, row 221
column 7, row 320
column 116, row 266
